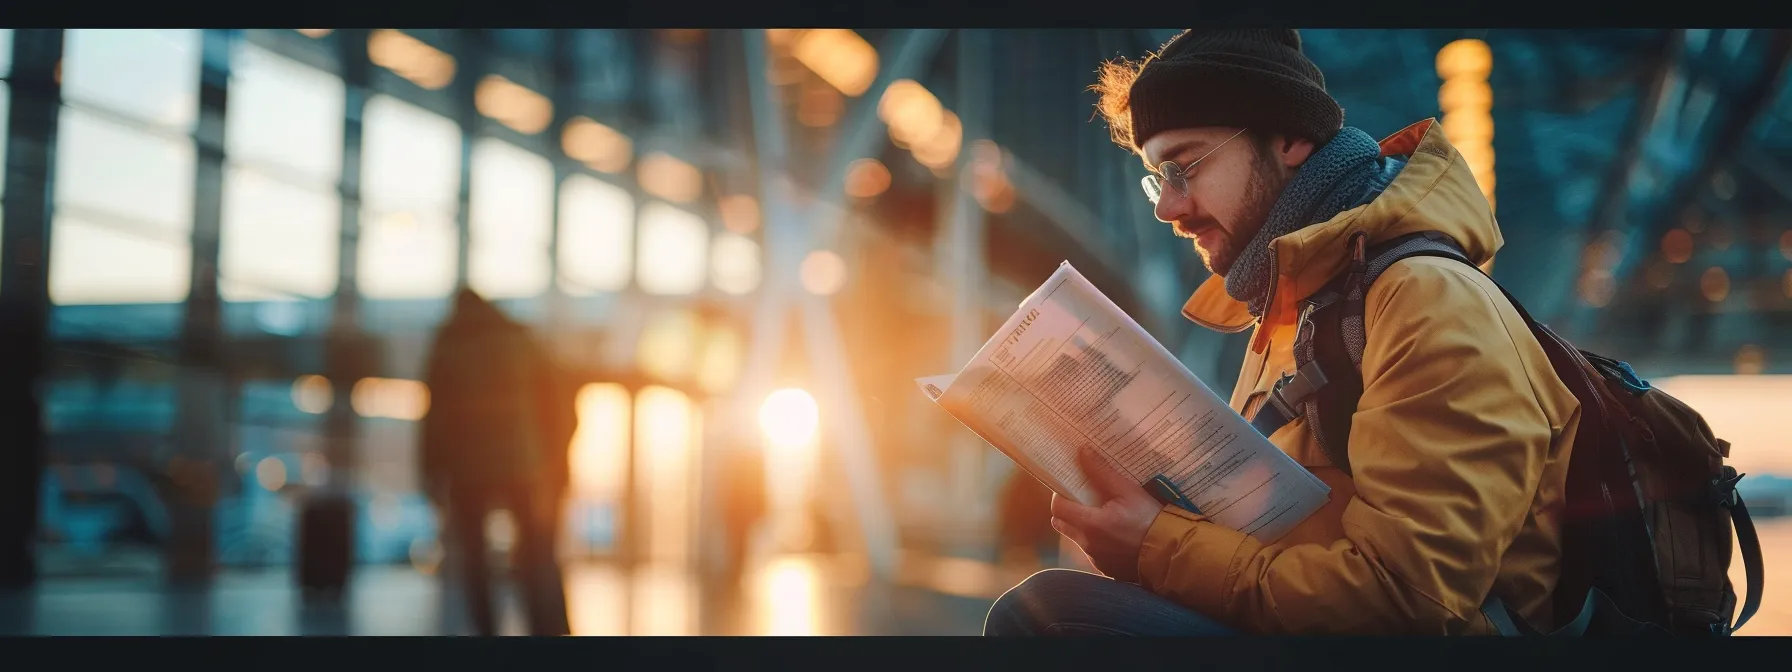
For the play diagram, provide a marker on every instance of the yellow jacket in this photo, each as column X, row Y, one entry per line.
column 1459, row 447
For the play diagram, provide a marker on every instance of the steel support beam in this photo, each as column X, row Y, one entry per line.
column 1612, row 195
column 35, row 93
column 910, row 51
column 562, row 90
column 473, row 47
column 788, row 236
column 1747, row 106
column 958, row 249
column 348, row 355
column 204, row 385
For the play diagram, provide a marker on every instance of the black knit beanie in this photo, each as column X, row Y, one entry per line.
column 1238, row 78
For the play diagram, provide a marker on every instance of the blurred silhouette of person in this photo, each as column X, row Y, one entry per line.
column 495, row 439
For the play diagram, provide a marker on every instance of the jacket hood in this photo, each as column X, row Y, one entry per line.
column 1434, row 192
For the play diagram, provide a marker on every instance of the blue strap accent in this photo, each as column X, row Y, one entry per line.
column 1269, row 418
column 1509, row 624
column 1501, row 618
column 1166, row 493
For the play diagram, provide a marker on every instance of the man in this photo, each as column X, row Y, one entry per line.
column 1460, row 442
column 495, row 438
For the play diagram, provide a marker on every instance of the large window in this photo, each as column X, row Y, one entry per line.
column 667, row 430
column 124, row 169
column 282, row 214
column 410, row 190
column 5, row 53
column 674, row 250
column 734, row 263
column 511, row 223
column 148, row 74
column 597, row 232
column 599, row 464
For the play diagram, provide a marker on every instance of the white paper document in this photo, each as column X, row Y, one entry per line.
column 1070, row 369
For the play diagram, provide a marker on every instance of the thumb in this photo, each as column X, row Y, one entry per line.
column 1109, row 483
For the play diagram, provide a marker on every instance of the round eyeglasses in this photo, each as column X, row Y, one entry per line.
column 1177, row 176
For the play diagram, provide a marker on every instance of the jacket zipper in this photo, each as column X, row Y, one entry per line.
column 1221, row 328
column 1275, row 270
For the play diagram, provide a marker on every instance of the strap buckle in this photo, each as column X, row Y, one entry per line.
column 1723, row 487
column 1359, row 254
column 1293, row 389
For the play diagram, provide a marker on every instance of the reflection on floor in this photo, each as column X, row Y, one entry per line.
column 794, row 595
column 790, row 595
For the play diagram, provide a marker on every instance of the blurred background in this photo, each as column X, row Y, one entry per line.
column 227, row 254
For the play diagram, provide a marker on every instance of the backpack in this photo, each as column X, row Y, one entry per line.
column 1650, row 505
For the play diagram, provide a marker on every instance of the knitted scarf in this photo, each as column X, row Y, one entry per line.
column 1346, row 172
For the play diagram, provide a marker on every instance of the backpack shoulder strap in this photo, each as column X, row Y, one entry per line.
column 1329, row 342
column 1334, row 334
column 1748, row 540
column 1378, row 259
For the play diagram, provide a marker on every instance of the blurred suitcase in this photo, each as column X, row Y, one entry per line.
column 326, row 545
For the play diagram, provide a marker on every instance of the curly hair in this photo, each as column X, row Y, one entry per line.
column 1114, row 86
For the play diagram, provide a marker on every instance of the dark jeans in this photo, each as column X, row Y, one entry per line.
column 1067, row 602
column 537, row 572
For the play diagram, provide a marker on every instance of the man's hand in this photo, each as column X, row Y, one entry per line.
column 1110, row 533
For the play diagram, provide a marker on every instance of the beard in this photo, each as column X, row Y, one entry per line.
column 1261, row 191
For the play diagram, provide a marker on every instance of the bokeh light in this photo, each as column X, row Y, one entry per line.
column 602, row 148
column 740, row 213
column 410, row 58
column 1715, row 284
column 842, row 58
column 312, row 394
column 1676, row 246
column 866, row 178
column 1751, row 360
column 668, row 177
column 1464, row 58
column 270, row 473
column 789, row 417
column 1597, row 287
column 390, row 398
column 522, row 109
column 823, row 272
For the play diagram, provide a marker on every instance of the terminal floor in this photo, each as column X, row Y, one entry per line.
column 791, row 595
